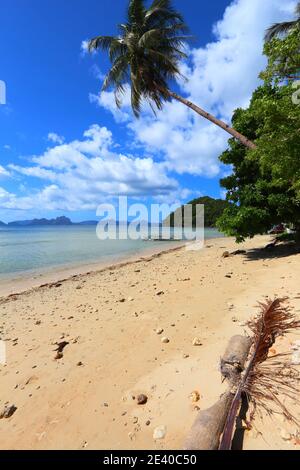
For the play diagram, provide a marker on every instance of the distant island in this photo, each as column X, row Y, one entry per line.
column 214, row 208
column 59, row 221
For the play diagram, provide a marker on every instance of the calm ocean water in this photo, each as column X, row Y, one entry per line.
column 34, row 249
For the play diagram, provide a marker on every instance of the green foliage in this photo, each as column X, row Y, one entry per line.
column 284, row 58
column 146, row 53
column 264, row 188
column 213, row 208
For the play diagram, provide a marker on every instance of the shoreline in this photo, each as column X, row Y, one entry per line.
column 29, row 280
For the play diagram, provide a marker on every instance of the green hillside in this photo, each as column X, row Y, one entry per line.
column 213, row 209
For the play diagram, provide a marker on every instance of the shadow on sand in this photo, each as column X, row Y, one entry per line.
column 270, row 252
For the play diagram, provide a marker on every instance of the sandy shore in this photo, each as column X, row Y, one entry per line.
column 85, row 400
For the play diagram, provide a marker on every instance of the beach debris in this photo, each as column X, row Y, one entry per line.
column 239, row 252
column 58, row 284
column 159, row 331
column 165, row 340
column 79, row 363
column 195, row 396
column 197, row 342
column 122, row 300
column 60, row 348
column 130, row 299
column 226, row 254
column 160, row 432
column 78, row 287
column 148, row 422
column 142, row 399
column 185, row 356
column 8, row 411
column 228, row 276
column 38, row 322
column 161, row 292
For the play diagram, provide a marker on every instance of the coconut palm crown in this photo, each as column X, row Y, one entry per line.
column 279, row 29
column 147, row 54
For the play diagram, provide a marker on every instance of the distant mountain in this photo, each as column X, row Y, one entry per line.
column 38, row 222
column 213, row 210
column 87, row 222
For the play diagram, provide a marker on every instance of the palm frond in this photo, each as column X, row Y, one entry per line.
column 100, row 42
column 118, row 74
column 136, row 11
column 278, row 29
column 265, row 378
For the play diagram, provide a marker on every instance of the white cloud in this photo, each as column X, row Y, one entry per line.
column 55, row 138
column 7, row 147
column 221, row 77
column 106, row 100
column 3, row 172
column 83, row 173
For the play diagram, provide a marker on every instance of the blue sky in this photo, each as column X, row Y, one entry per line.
column 64, row 148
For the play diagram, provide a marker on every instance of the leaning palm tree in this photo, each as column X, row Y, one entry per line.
column 147, row 54
column 279, row 29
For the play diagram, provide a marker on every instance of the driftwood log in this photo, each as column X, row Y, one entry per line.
column 207, row 429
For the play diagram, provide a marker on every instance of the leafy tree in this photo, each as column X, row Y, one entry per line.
column 264, row 188
column 284, row 58
column 147, row 54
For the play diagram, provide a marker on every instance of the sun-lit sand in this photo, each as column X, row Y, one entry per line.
column 87, row 398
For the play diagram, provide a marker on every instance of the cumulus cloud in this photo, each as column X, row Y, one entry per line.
column 83, row 173
column 3, row 171
column 55, row 138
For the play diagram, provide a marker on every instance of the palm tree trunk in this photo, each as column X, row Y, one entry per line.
column 212, row 119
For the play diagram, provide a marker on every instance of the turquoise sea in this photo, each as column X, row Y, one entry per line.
column 36, row 249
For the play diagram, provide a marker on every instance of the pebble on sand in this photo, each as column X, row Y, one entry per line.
column 197, row 342
column 159, row 331
column 8, row 411
column 142, row 399
column 195, row 396
column 160, row 432
column 165, row 340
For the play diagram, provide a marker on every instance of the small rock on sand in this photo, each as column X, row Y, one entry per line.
column 160, row 432
column 159, row 331
column 197, row 342
column 226, row 254
column 165, row 340
column 195, row 396
column 8, row 411
column 142, row 399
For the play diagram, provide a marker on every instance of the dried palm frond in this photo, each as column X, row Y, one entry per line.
column 265, row 378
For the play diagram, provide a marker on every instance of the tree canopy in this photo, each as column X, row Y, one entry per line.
column 264, row 188
column 213, row 209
